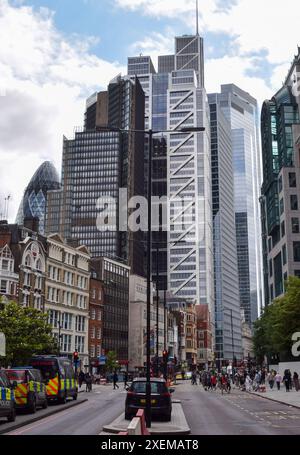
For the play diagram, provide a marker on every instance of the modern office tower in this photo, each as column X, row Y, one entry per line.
column 166, row 64
column 115, row 278
column 228, row 335
column 241, row 111
column 34, row 201
column 189, row 54
column 280, row 132
column 96, row 111
column 96, row 164
column 190, row 263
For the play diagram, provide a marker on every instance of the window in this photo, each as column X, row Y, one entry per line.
column 26, row 279
column 296, row 248
column 67, row 321
column 272, row 292
column 66, row 343
column 292, row 180
column 281, row 206
column 98, row 350
column 93, row 293
column 3, row 286
column 280, row 184
column 38, row 302
column 93, row 313
column 79, row 343
column 80, row 324
column 284, row 254
column 297, row 273
column 270, row 268
column 283, row 229
column 295, row 225
column 270, row 244
column 93, row 332
column 99, row 315
column 294, row 202
column 5, row 264
column 99, row 334
column 92, row 350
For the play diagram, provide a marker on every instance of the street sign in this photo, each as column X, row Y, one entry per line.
column 2, row 345
column 102, row 359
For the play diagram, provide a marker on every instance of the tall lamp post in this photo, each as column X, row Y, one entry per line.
column 150, row 133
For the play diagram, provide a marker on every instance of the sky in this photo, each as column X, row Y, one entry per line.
column 55, row 53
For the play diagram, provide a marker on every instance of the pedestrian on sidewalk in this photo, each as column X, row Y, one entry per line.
column 278, row 379
column 115, row 380
column 287, row 379
column 271, row 379
column 296, row 381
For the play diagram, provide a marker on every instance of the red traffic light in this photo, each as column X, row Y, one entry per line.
column 165, row 355
column 75, row 356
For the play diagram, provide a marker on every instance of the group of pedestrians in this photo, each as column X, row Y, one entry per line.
column 211, row 380
column 87, row 378
column 254, row 379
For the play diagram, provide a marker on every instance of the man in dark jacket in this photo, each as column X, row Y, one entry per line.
column 115, row 380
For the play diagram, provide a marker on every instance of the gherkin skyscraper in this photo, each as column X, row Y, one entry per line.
column 34, row 201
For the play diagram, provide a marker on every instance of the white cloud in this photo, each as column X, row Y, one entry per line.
column 253, row 26
column 44, row 80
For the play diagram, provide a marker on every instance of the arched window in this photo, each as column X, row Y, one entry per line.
column 28, row 260
column 38, row 265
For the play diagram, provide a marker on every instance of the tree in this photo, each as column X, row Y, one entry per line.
column 27, row 332
column 279, row 321
column 111, row 361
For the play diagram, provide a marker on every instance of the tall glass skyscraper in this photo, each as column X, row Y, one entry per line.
column 241, row 111
column 34, row 201
column 228, row 336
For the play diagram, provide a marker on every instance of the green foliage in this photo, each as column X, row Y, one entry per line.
column 111, row 361
column 279, row 321
column 27, row 332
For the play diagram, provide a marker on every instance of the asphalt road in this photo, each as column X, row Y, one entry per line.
column 102, row 407
column 207, row 413
column 237, row 413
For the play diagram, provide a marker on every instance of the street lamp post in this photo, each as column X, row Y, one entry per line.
column 150, row 133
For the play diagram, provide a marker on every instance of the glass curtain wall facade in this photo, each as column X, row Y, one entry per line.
column 280, row 189
column 227, row 299
column 34, row 201
column 241, row 111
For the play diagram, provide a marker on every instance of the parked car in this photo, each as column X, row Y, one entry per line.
column 7, row 399
column 161, row 402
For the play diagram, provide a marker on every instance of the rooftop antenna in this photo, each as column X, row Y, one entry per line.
column 197, row 18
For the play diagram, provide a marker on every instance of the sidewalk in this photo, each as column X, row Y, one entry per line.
column 291, row 398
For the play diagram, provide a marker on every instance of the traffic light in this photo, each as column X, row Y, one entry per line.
column 175, row 360
column 75, row 357
column 165, row 356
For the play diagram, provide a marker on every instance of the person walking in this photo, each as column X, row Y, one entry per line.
column 278, row 379
column 271, row 379
column 88, row 381
column 287, row 379
column 115, row 380
column 296, row 381
column 80, row 378
column 125, row 379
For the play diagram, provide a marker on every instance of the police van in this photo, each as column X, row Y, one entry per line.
column 7, row 398
column 30, row 391
column 58, row 375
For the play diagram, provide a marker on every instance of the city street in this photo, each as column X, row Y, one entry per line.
column 207, row 413
column 103, row 405
column 237, row 413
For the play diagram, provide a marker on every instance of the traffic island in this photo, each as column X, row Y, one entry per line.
column 26, row 419
column 178, row 424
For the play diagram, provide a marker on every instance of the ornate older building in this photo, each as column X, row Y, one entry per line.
column 67, row 296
